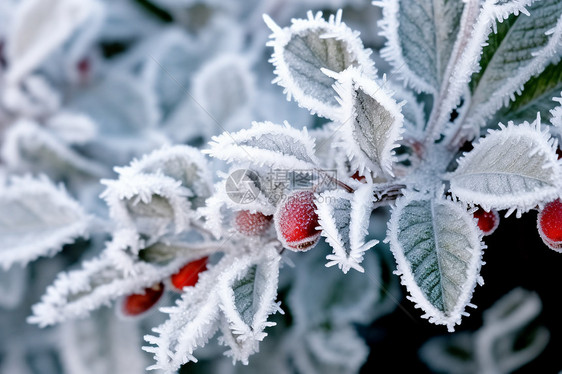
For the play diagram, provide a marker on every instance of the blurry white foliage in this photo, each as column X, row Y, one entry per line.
column 492, row 348
column 42, row 218
column 89, row 84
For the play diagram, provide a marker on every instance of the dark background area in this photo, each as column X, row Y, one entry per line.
column 515, row 257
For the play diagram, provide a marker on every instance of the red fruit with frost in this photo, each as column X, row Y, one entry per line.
column 296, row 221
column 136, row 304
column 549, row 222
column 188, row 275
column 252, row 224
column 488, row 222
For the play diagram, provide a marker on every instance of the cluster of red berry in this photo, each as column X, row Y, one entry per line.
column 297, row 229
column 187, row 276
column 549, row 223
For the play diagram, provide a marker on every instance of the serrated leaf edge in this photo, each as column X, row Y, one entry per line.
column 280, row 37
column 434, row 315
column 520, row 203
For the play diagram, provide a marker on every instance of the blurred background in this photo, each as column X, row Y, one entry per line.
column 86, row 85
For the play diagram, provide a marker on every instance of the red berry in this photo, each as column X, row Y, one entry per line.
column 296, row 221
column 188, row 275
column 252, row 224
column 359, row 177
column 549, row 222
column 488, row 222
column 136, row 304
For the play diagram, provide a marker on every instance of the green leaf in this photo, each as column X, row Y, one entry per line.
column 522, row 47
column 420, row 39
column 372, row 122
column 537, row 96
column 310, row 45
column 437, row 247
column 513, row 168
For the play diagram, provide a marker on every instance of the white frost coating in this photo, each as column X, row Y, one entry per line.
column 335, row 29
column 469, row 62
column 393, row 52
column 372, row 122
column 28, row 146
column 516, row 79
column 247, row 303
column 212, row 213
column 39, row 218
column 556, row 113
column 458, row 229
column 494, row 176
column 182, row 163
column 350, row 219
column 140, row 190
column 76, row 293
column 39, row 27
column 267, row 144
column 239, row 349
column 192, row 322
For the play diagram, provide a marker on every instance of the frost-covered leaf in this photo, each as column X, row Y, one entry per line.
column 223, row 89
column 476, row 31
column 521, row 48
column 267, row 144
column 13, row 286
column 372, row 122
column 39, row 27
column 247, row 292
column 556, row 113
column 514, row 168
column 102, row 343
column 148, row 203
column 309, row 45
column 182, row 163
column 32, row 148
column 420, row 39
column 437, row 247
column 39, row 218
column 537, row 96
column 99, row 282
column 320, row 351
column 239, row 349
column 192, row 322
column 344, row 219
column 163, row 188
